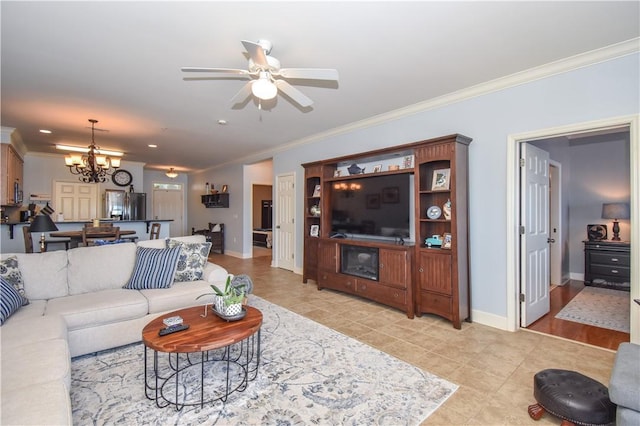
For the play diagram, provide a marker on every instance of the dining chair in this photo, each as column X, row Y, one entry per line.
column 28, row 241
column 155, row 231
column 92, row 234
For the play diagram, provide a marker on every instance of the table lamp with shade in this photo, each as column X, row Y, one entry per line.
column 616, row 211
column 42, row 223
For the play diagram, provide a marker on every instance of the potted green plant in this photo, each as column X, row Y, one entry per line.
column 227, row 302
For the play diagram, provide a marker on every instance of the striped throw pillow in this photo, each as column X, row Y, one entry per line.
column 10, row 300
column 154, row 268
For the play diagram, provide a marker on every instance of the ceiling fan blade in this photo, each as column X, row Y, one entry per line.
column 220, row 76
column 243, row 94
column 299, row 97
column 256, row 52
column 225, row 70
column 309, row 73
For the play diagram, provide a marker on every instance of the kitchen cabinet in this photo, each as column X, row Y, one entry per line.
column 12, row 179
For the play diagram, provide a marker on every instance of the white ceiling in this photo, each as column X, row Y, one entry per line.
column 119, row 62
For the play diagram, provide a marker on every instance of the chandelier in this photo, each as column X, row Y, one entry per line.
column 171, row 173
column 92, row 167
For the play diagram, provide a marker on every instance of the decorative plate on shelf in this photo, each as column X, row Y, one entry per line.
column 122, row 177
column 434, row 212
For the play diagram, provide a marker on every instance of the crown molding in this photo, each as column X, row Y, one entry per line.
column 570, row 63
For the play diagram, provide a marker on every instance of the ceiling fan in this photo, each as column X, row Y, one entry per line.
column 267, row 78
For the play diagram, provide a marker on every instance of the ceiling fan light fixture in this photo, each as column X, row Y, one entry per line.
column 171, row 174
column 263, row 88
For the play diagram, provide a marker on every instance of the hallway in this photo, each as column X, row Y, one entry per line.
column 548, row 324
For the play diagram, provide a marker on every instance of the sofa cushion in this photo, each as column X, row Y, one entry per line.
column 180, row 295
column 193, row 258
column 98, row 308
column 100, row 268
column 10, row 300
column 35, row 329
column 45, row 404
column 163, row 243
column 154, row 268
column 44, row 274
column 215, row 273
column 624, row 385
column 36, row 363
column 9, row 271
column 34, row 309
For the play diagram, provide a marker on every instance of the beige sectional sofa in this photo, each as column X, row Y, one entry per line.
column 78, row 306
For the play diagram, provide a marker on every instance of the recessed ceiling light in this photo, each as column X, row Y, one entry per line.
column 152, row 145
column 222, row 122
column 45, row 131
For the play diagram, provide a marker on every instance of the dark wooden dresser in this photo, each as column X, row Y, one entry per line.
column 607, row 260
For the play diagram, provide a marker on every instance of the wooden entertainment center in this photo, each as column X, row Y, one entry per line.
column 428, row 276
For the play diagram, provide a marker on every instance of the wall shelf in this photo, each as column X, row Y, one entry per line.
column 219, row 200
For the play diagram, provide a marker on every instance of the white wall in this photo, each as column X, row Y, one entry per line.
column 41, row 170
column 607, row 89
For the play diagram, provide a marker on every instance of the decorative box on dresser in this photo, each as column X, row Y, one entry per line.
column 609, row 261
column 408, row 276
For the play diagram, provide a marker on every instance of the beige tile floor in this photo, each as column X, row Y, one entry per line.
column 493, row 368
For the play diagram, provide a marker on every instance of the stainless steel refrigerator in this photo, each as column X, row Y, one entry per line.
column 124, row 205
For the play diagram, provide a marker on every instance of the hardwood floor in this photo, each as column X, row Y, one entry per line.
column 549, row 324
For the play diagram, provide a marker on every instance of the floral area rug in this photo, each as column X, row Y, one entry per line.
column 309, row 375
column 600, row 307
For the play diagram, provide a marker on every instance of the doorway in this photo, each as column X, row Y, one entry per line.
column 168, row 204
column 572, row 231
column 284, row 218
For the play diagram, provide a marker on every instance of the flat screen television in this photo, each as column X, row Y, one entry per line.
column 373, row 206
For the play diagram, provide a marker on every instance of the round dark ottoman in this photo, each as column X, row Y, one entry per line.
column 573, row 397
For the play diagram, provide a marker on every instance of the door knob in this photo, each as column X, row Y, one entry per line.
column 551, row 240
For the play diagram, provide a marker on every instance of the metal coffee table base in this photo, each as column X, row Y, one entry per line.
column 166, row 379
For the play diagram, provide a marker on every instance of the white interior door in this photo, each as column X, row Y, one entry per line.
column 534, row 210
column 555, row 223
column 76, row 201
column 168, row 204
column 284, row 242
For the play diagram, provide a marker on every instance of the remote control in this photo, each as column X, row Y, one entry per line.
column 173, row 329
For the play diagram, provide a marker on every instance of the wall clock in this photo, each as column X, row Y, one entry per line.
column 434, row 212
column 122, row 177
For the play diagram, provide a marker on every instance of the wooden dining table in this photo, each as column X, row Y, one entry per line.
column 76, row 236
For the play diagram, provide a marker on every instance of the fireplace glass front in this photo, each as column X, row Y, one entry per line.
column 359, row 261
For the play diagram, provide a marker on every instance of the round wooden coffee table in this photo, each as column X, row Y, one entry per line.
column 225, row 355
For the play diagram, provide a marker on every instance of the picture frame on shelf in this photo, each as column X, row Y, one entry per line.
column 373, row 201
column 408, row 162
column 440, row 180
column 391, row 195
column 314, row 230
column 316, row 191
column 337, row 173
column 377, row 168
column 446, row 241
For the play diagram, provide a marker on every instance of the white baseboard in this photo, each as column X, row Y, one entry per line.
column 576, row 276
column 491, row 320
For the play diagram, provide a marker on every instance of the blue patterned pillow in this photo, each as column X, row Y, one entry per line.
column 154, row 268
column 10, row 300
column 9, row 271
column 193, row 258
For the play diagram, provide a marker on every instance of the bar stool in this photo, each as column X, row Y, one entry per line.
column 155, row 231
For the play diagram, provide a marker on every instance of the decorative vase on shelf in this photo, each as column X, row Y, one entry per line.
column 315, row 210
column 446, row 210
column 354, row 169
